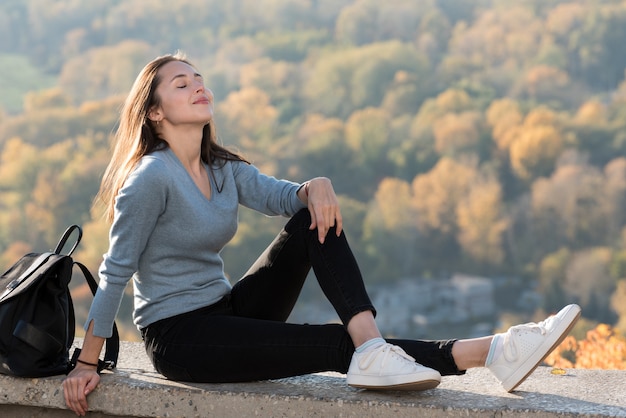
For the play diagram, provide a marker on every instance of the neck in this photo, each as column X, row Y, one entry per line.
column 186, row 144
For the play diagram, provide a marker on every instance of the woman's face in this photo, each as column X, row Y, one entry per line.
column 183, row 98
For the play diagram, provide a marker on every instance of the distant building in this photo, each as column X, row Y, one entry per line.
column 413, row 303
column 473, row 295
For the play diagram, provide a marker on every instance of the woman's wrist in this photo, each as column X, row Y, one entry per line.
column 303, row 192
column 87, row 363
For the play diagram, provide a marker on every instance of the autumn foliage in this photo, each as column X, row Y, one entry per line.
column 603, row 348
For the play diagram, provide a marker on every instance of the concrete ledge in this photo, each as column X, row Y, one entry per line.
column 136, row 390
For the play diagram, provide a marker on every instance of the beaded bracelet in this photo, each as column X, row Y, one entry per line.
column 86, row 363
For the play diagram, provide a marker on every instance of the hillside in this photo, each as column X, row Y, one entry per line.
column 484, row 137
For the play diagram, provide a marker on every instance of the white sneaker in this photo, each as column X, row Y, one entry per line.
column 525, row 346
column 390, row 367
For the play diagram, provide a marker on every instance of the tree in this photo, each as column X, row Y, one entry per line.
column 390, row 232
column 534, row 151
column 547, row 84
column 50, row 98
column 458, row 133
column 404, row 96
column 320, row 148
column 248, row 118
column 437, row 193
column 18, row 166
column 596, row 52
column 618, row 304
column 367, row 21
column 481, row 223
column 587, row 279
column 537, row 145
column 339, row 82
column 104, row 71
column 356, row 24
column 367, row 134
column 493, row 47
column 603, row 348
column 552, row 272
column 505, row 118
column 569, row 207
column 436, row 196
column 615, row 197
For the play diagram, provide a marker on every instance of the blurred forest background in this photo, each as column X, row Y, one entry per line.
column 479, row 136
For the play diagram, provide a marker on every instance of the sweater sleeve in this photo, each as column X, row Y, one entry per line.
column 264, row 193
column 137, row 207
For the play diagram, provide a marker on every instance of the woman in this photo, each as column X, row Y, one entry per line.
column 172, row 195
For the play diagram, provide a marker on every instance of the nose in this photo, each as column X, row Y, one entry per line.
column 200, row 87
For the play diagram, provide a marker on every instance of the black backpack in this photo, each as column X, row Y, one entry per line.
column 37, row 322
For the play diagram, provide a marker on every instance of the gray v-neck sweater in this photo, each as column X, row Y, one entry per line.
column 167, row 236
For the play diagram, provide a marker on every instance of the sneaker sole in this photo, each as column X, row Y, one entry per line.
column 529, row 366
column 414, row 386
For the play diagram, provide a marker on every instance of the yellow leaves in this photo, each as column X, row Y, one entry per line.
column 545, row 77
column 50, row 98
column 453, row 101
column 533, row 143
column 455, row 133
column 267, row 75
column 317, row 132
column 535, row 150
column 249, row 112
column 437, row 193
column 481, row 223
column 564, row 18
column 506, row 36
column 603, row 348
column 502, row 115
column 592, row 112
column 393, row 199
column 18, row 159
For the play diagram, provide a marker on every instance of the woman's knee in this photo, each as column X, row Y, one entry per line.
column 302, row 218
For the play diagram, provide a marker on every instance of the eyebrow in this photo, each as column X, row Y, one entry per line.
column 185, row 75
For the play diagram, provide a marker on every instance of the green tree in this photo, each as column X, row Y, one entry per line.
column 104, row 71
column 350, row 79
column 588, row 280
column 552, row 286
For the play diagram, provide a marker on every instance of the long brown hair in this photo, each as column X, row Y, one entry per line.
column 136, row 135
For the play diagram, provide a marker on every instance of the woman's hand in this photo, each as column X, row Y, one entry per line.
column 79, row 383
column 323, row 206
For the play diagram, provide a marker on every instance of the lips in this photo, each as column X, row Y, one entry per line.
column 202, row 100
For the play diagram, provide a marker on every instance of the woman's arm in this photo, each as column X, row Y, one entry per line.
column 81, row 381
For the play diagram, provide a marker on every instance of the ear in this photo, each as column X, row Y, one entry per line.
column 155, row 114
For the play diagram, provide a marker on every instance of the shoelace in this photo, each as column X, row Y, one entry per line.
column 509, row 347
column 386, row 351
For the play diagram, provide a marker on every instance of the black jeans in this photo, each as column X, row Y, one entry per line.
column 244, row 337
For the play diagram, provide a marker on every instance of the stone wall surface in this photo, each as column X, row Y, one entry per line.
column 136, row 390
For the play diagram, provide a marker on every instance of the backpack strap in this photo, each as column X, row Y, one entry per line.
column 66, row 236
column 112, row 343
